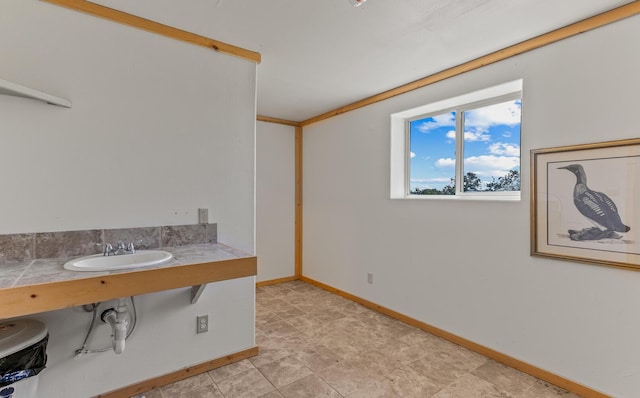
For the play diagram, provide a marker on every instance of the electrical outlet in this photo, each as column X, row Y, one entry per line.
column 370, row 278
column 203, row 216
column 202, row 323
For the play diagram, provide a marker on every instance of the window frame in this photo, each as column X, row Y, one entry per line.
column 400, row 184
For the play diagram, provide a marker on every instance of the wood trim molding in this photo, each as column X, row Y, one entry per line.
column 298, row 203
column 33, row 299
column 124, row 18
column 277, row 121
column 277, row 281
column 532, row 370
column 151, row 384
column 585, row 25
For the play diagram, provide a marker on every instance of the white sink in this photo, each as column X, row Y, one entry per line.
column 99, row 262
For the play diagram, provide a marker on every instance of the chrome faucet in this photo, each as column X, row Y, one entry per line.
column 119, row 250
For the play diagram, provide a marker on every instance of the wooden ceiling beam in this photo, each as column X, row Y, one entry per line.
column 124, row 18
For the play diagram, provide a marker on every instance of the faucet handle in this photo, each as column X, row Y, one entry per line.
column 107, row 249
column 131, row 248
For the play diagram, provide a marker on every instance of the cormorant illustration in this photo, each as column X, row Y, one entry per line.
column 597, row 207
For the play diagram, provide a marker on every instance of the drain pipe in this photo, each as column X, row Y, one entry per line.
column 117, row 319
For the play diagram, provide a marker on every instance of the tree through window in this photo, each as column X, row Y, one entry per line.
column 477, row 143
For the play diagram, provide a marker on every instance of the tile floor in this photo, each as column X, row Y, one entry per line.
column 316, row 344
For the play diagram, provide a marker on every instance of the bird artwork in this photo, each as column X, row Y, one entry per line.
column 597, row 207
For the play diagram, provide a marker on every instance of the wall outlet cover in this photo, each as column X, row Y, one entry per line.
column 202, row 323
column 203, row 216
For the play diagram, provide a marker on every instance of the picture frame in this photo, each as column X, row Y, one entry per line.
column 585, row 203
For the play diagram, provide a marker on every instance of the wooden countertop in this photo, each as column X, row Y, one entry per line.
column 44, row 285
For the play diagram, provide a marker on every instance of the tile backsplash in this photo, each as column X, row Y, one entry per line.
column 18, row 248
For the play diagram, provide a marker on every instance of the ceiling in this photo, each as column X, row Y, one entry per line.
column 318, row 55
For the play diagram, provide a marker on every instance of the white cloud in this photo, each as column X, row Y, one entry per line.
column 473, row 136
column 501, row 148
column 429, row 180
column 470, row 136
column 446, row 119
column 491, row 165
column 506, row 113
column 412, row 155
column 445, row 162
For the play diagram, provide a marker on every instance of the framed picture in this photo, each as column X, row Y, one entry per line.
column 585, row 203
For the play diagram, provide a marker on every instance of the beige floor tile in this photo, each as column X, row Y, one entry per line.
column 284, row 293
column 248, row 384
column 309, row 387
column 285, row 371
column 375, row 318
column 157, row 393
column 287, row 312
column 338, row 344
column 187, row 385
column 306, row 306
column 274, row 303
column 230, row 370
column 416, row 336
column 408, row 383
column 306, row 323
column 541, row 389
column 348, row 336
column 203, row 392
column 267, row 356
column 274, row 288
column 446, row 362
column 505, row 378
column 331, row 347
column 376, row 390
column 301, row 287
column 266, row 317
column 358, row 372
column 470, row 386
column 350, row 307
column 373, row 361
column 317, row 357
column 272, row 394
column 280, row 328
column 313, row 321
column 347, row 380
column 275, row 348
column 261, row 337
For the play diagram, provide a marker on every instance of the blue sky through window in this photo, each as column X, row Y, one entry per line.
column 491, row 145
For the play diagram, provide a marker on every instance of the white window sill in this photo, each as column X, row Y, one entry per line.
column 482, row 198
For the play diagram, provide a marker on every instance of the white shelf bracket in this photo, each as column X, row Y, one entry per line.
column 196, row 291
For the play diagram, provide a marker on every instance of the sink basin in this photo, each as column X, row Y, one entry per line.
column 99, row 262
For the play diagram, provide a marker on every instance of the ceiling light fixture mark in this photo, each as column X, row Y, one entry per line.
column 357, row 3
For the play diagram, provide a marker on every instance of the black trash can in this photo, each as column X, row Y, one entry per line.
column 23, row 355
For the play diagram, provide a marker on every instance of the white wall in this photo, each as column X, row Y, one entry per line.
column 275, row 200
column 465, row 266
column 158, row 129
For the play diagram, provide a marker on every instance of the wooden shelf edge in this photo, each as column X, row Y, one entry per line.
column 17, row 90
column 33, row 299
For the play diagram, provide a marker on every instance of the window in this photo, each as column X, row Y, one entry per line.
column 473, row 139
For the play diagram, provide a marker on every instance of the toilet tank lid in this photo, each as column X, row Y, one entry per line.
column 19, row 334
